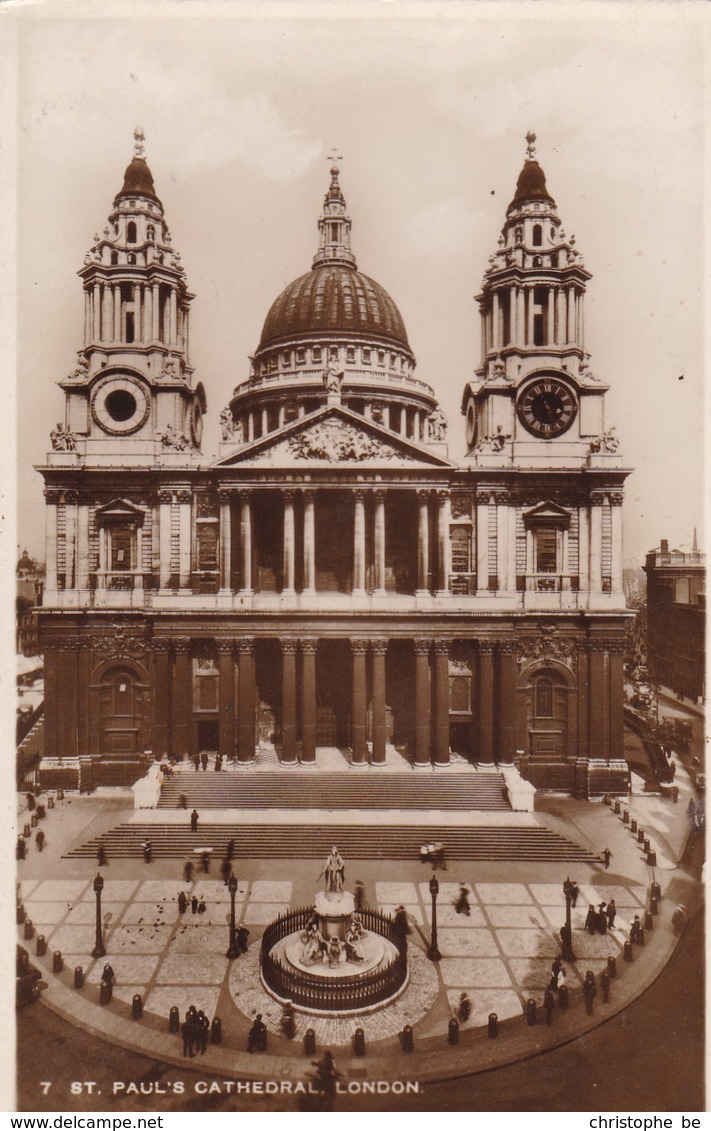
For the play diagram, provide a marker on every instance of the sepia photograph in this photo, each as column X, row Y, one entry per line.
column 357, row 655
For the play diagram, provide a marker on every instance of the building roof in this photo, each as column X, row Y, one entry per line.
column 334, row 298
column 138, row 180
column 531, row 185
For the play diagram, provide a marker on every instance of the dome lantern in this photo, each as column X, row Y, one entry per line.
column 334, row 225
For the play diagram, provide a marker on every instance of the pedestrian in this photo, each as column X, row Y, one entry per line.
column 203, row 759
column 691, row 810
column 21, row 849
column 39, row 840
column 561, row 980
column 574, row 893
column 201, row 907
column 611, row 913
column 606, row 855
column 230, row 849
column 548, row 1004
column 589, row 991
column 206, row 862
column 182, row 902
column 218, row 763
column 556, row 967
column 107, row 975
column 189, row 1035
column 257, row 1040
column 288, row 1021
column 188, row 869
column 194, row 818
column 672, row 767
column 194, row 904
column 358, row 894
column 464, row 1008
column 196, row 761
column 201, row 1030
column 226, row 870
column 602, row 919
column 183, row 801
column 147, row 851
column 461, row 905
column 101, row 856
column 591, row 920
column 635, row 930
column 402, row 923
column 242, row 939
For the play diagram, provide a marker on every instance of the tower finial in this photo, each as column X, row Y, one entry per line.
column 139, row 138
column 334, row 156
column 531, row 149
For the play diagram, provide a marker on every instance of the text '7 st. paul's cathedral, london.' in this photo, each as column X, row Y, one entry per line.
column 335, row 579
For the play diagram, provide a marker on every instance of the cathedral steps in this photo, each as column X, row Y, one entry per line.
column 357, row 842
column 293, row 789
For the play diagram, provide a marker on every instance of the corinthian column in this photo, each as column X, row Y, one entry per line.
column 289, row 545
column 309, row 544
column 423, row 544
column 359, row 546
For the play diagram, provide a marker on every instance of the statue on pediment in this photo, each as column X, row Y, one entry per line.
column 63, row 440
column 171, row 438
column 227, row 423
column 82, row 369
column 334, row 441
column 495, row 442
column 332, row 377
column 437, row 425
column 607, row 443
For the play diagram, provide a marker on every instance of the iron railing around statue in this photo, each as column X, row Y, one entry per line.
column 353, row 993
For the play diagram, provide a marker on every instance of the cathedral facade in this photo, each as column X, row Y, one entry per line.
column 335, row 577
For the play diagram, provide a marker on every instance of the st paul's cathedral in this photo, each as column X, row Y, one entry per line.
column 335, row 579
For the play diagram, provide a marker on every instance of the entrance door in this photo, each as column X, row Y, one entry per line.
column 333, row 693
column 120, row 710
column 208, row 734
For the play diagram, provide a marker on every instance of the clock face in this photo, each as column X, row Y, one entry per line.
column 196, row 424
column 471, row 424
column 119, row 404
column 547, row 407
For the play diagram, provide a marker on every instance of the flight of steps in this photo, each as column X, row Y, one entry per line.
column 314, row 841
column 291, row 789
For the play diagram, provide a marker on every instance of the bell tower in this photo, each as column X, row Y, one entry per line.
column 534, row 384
column 133, row 390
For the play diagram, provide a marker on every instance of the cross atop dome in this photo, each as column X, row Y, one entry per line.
column 531, row 148
column 139, row 149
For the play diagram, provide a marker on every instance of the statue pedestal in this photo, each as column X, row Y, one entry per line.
column 334, row 909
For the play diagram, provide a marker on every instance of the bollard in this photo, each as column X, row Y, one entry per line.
column 29, row 929
column 531, row 1012
column 612, row 967
column 626, row 817
column 105, row 992
column 406, row 1039
column 633, row 825
column 453, row 1031
column 607, row 800
column 617, row 807
column 26, row 831
column 548, row 1003
column 41, row 812
column 57, row 962
column 653, row 906
column 493, row 1025
column 651, row 859
column 137, row 1007
column 309, row 1042
column 627, row 951
column 33, row 820
column 41, row 949
column 50, row 802
column 646, row 847
column 605, row 986
column 648, row 921
column 359, row 1042
column 216, row 1031
column 21, row 913
column 174, row 1019
column 656, row 891
column 78, row 978
column 640, row 836
column 640, row 936
column 563, row 997
column 60, row 795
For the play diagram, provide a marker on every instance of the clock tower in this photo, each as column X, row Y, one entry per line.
column 133, row 391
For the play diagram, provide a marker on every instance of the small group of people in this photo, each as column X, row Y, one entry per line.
column 602, row 920
column 464, row 1007
column 197, row 905
column 23, row 841
column 571, row 891
column 558, row 979
column 195, row 1030
column 433, row 853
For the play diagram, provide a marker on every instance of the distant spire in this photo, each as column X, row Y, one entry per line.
column 695, row 546
column 530, row 149
column 139, row 150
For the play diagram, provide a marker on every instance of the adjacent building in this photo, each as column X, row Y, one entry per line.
column 676, row 619
column 335, row 577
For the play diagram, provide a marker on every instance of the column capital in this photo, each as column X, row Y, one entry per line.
column 483, row 496
column 598, row 497
column 379, row 645
column 245, row 494
column 181, row 644
column 165, row 496
column 486, row 647
column 308, row 494
column 288, row 496
column 52, row 496
column 379, row 496
column 443, row 494
column 85, row 498
column 245, row 645
column 161, row 645
column 442, row 647
column 508, row 647
column 309, row 644
column 616, row 498
column 423, row 494
column 224, row 647
column 71, row 496
column 224, row 496
column 359, row 645
column 422, row 646
column 288, row 645
column 185, row 496
column 359, row 496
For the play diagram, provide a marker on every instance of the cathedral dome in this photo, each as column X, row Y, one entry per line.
column 334, row 299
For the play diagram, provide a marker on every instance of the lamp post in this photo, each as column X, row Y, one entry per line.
column 566, row 933
column 433, row 950
column 99, row 949
column 233, row 950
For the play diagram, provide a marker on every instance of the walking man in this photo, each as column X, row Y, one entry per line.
column 461, row 905
column 606, row 854
column 194, row 818
column 203, row 759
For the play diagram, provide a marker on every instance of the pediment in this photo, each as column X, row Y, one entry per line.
column 120, row 509
column 546, row 512
column 333, row 435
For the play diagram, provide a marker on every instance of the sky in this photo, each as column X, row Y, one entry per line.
column 428, row 106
